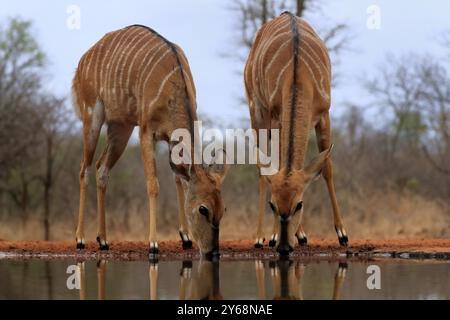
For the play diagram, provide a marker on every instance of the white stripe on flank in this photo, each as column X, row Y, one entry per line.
column 316, row 59
column 127, row 51
column 263, row 51
column 273, row 25
column 116, row 57
column 154, row 65
column 275, row 56
column 319, row 85
column 97, row 63
column 274, row 92
column 89, row 61
column 106, row 59
column 323, row 49
column 161, row 87
column 145, row 64
column 144, row 47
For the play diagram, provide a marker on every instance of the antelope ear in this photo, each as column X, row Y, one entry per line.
column 314, row 168
column 219, row 167
column 179, row 159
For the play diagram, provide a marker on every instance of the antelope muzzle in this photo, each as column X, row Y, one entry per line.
column 214, row 254
column 284, row 248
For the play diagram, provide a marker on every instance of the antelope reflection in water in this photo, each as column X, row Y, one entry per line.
column 203, row 282
column 287, row 276
column 101, row 276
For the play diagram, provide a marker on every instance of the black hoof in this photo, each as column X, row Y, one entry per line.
column 303, row 242
column 103, row 247
column 153, row 251
column 343, row 241
column 258, row 246
column 187, row 245
column 81, row 246
column 272, row 243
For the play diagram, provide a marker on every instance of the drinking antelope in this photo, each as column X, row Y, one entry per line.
column 136, row 77
column 287, row 80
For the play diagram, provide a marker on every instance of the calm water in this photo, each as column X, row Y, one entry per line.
column 38, row 279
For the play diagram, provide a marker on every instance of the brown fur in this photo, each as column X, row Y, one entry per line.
column 135, row 77
column 288, row 88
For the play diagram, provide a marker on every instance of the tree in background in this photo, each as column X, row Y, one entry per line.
column 33, row 123
column 414, row 93
column 252, row 14
column 22, row 64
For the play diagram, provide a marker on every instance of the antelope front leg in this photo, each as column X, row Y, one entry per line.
column 118, row 136
column 184, row 234
column 274, row 236
column 323, row 134
column 91, row 131
column 301, row 236
column 148, row 157
column 259, row 243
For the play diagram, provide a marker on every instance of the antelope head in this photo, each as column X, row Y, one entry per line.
column 287, row 198
column 204, row 205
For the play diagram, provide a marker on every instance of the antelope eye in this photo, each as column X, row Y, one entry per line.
column 272, row 206
column 299, row 206
column 203, row 211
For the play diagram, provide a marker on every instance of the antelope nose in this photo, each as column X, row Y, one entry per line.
column 284, row 249
column 214, row 253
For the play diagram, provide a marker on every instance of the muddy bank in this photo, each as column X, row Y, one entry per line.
column 230, row 250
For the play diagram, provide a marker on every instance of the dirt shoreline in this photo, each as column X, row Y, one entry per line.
column 436, row 249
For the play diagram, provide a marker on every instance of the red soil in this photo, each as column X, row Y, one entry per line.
column 171, row 250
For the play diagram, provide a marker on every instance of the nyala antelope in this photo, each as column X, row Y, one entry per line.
column 136, row 77
column 287, row 80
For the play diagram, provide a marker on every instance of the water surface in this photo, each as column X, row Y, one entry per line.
column 57, row 279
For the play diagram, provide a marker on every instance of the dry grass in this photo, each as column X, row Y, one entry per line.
column 380, row 216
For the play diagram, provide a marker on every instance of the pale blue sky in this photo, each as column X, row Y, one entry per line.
column 204, row 29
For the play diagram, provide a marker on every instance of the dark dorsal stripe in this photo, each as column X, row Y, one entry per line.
column 294, row 90
column 187, row 102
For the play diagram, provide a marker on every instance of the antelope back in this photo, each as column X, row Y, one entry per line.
column 136, row 73
column 287, row 78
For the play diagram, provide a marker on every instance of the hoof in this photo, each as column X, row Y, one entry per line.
column 187, row 245
column 186, row 242
column 343, row 238
column 103, row 244
column 273, row 241
column 303, row 242
column 81, row 245
column 343, row 241
column 153, row 250
column 259, row 244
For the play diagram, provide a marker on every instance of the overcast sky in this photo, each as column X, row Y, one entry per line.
column 204, row 29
